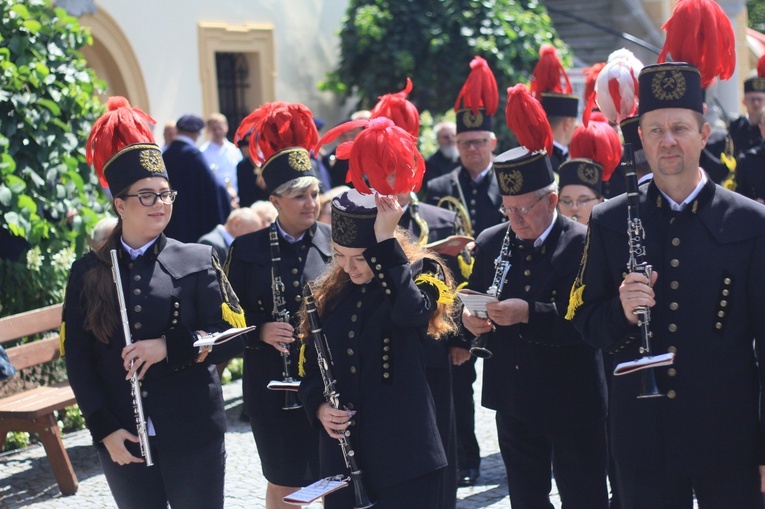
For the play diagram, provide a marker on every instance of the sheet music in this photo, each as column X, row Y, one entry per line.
column 316, row 490
column 476, row 302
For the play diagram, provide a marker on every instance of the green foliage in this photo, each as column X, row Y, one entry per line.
column 756, row 10
column 49, row 196
column 16, row 440
column 70, row 419
column 432, row 42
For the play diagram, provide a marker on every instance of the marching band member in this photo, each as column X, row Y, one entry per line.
column 596, row 151
column 298, row 248
column 545, row 383
column 705, row 244
column 173, row 293
column 377, row 303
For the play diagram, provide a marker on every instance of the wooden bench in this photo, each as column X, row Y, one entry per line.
column 32, row 410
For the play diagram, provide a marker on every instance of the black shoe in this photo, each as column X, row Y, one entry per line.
column 467, row 477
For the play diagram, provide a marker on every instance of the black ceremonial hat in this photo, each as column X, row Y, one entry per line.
column 670, row 85
column 583, row 172
column 560, row 105
column 286, row 165
column 519, row 171
column 353, row 220
column 133, row 163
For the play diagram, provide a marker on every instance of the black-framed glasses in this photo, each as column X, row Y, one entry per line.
column 477, row 143
column 148, row 199
column 581, row 202
column 521, row 211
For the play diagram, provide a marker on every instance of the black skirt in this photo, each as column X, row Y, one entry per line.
column 287, row 444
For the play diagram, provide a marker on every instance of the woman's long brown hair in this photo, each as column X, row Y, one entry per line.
column 334, row 280
column 98, row 296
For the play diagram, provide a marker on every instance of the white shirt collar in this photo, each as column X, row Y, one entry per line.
column 563, row 148
column 680, row 206
column 541, row 239
column 135, row 253
column 289, row 238
column 482, row 175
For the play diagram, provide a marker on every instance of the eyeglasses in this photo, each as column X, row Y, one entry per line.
column 148, row 199
column 521, row 211
column 581, row 202
column 477, row 143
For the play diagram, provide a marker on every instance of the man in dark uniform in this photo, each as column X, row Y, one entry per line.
column 745, row 131
column 472, row 185
column 705, row 437
column 560, row 105
column 202, row 203
column 446, row 158
column 544, row 381
column 750, row 172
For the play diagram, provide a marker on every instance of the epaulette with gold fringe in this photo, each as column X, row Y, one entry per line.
column 576, row 297
column 445, row 295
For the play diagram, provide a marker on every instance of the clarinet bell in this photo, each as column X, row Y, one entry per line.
column 478, row 348
column 648, row 387
column 290, row 401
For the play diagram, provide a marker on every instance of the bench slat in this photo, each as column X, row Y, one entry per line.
column 29, row 323
column 36, row 402
column 34, row 353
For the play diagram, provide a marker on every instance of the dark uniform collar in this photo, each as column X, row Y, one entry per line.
column 657, row 199
column 151, row 253
column 320, row 237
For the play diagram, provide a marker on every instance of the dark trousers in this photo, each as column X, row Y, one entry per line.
column 418, row 493
column 187, row 479
column 468, row 453
column 578, row 459
column 640, row 489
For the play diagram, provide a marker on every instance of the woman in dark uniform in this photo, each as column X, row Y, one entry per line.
column 173, row 293
column 378, row 303
column 287, row 445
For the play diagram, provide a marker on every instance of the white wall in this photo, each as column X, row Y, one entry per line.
column 163, row 34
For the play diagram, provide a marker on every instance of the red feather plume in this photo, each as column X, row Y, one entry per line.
column 761, row 67
column 700, row 33
column 549, row 75
column 527, row 119
column 401, row 111
column 479, row 90
column 119, row 127
column 599, row 142
column 384, row 152
column 277, row 126
column 591, row 75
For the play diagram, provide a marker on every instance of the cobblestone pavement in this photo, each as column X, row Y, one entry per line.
column 26, row 479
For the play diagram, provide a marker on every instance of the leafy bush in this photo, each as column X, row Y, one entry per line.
column 49, row 196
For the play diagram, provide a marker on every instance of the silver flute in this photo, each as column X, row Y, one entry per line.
column 135, row 384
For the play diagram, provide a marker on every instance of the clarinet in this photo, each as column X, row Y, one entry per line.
column 637, row 263
column 501, row 269
column 281, row 314
column 324, row 359
column 135, row 384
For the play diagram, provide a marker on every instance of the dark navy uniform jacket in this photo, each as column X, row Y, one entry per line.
column 710, row 311
column 750, row 173
column 376, row 333
column 172, row 290
column 744, row 135
column 483, row 199
column 202, row 203
column 557, row 157
column 541, row 372
column 249, row 270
